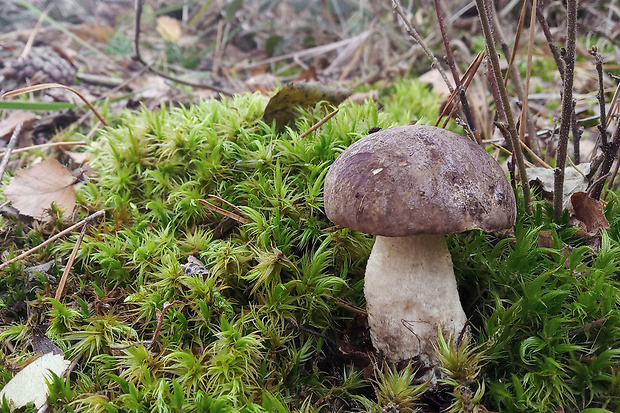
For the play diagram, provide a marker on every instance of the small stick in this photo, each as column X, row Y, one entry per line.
column 413, row 33
column 65, row 274
column 160, row 322
column 497, row 74
column 34, row 32
column 506, row 151
column 550, row 40
column 54, row 238
column 46, row 145
column 587, row 326
column 528, row 75
column 9, row 149
column 341, row 303
column 226, row 202
column 318, row 124
column 567, row 109
column 602, row 126
column 452, row 65
column 229, row 214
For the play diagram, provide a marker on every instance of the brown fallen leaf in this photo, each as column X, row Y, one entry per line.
column 589, row 212
column 283, row 107
column 32, row 190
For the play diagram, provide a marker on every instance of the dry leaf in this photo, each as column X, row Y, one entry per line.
column 29, row 385
column 283, row 107
column 589, row 212
column 169, row 28
column 13, row 119
column 434, row 79
column 574, row 180
column 32, row 190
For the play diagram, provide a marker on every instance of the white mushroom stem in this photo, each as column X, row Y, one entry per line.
column 410, row 290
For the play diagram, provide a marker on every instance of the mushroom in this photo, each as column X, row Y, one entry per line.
column 409, row 185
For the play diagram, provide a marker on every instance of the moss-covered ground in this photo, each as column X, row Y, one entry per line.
column 261, row 327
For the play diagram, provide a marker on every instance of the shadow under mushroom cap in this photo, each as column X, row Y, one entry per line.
column 418, row 179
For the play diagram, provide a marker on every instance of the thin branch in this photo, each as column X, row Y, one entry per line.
column 602, row 126
column 531, row 138
column 550, row 40
column 9, row 149
column 65, row 274
column 455, row 74
column 46, row 145
column 567, row 109
column 413, row 33
column 497, row 73
column 138, row 57
column 609, row 156
column 318, row 124
column 64, row 232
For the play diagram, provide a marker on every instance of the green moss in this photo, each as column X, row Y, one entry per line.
column 257, row 331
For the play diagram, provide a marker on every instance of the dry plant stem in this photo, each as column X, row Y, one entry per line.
column 9, row 148
column 43, row 86
column 610, row 155
column 567, row 109
column 46, row 145
column 64, row 232
column 577, row 132
column 602, row 126
column 160, row 322
column 531, row 138
column 138, row 57
column 413, row 33
column 497, row 73
column 455, row 74
column 587, row 326
column 513, row 55
column 506, row 151
column 318, row 124
column 530, row 54
column 229, row 214
column 65, row 273
column 550, row 40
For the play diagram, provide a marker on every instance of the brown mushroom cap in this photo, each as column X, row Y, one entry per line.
column 418, row 179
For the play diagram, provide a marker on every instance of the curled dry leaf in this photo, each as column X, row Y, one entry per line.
column 32, row 190
column 588, row 213
column 282, row 108
column 574, row 181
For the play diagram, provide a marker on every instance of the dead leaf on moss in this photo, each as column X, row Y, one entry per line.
column 283, row 107
column 169, row 28
column 32, row 190
column 589, row 212
column 574, row 181
column 30, row 384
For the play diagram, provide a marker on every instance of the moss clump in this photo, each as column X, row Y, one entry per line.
column 256, row 330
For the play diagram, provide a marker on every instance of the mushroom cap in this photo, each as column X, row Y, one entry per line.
column 418, row 179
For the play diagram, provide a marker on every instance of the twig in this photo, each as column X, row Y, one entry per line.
column 138, row 57
column 577, row 132
column 531, row 139
column 160, row 321
column 602, row 126
column 530, row 54
column 318, row 124
column 497, row 73
column 608, row 160
column 46, row 145
column 229, row 214
column 9, row 149
column 452, row 65
column 65, row 274
column 54, row 238
column 567, row 109
column 587, row 326
column 506, row 151
column 550, row 40
column 34, row 32
column 413, row 33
